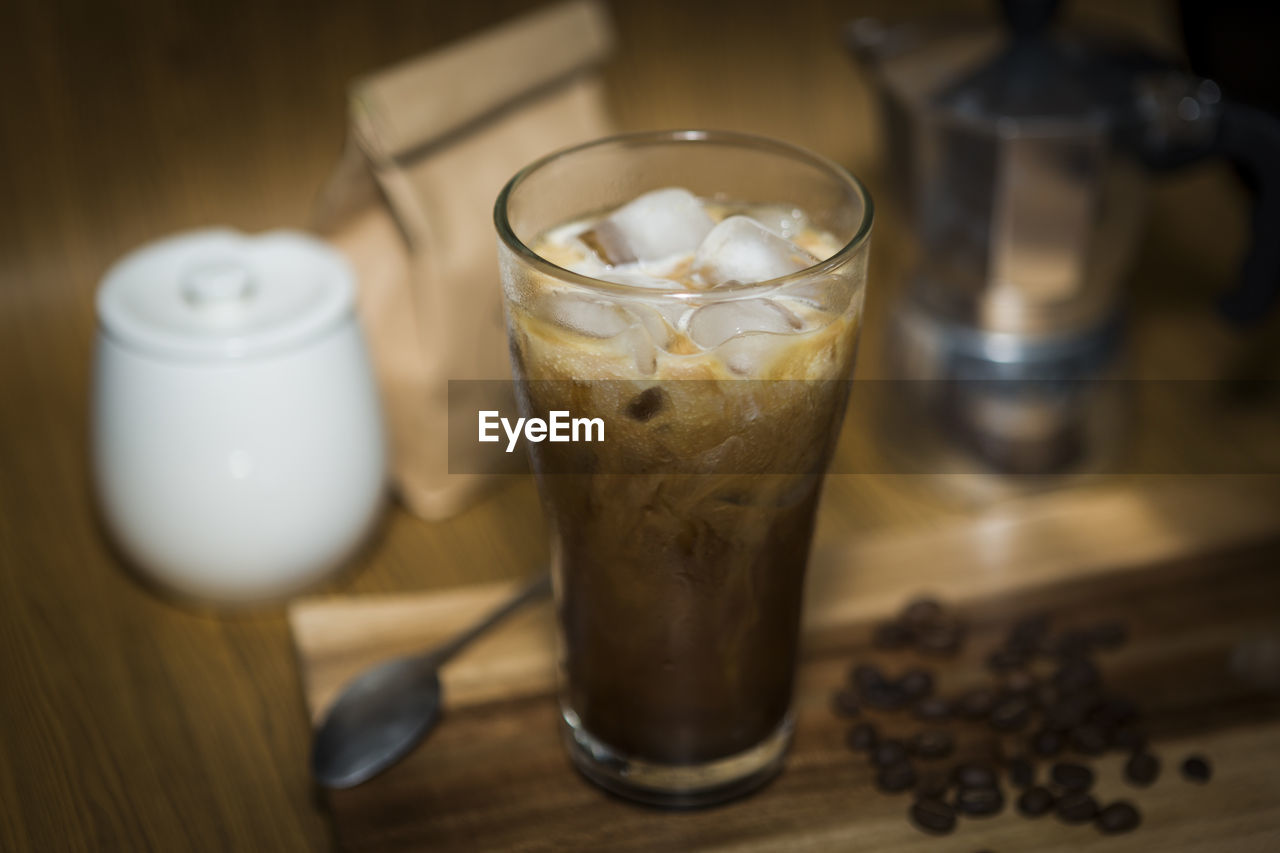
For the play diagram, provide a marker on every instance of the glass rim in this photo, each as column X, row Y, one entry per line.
column 724, row 137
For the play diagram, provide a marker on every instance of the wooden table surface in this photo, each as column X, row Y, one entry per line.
column 127, row 722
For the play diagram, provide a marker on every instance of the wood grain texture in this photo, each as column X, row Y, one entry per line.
column 129, row 723
column 1191, row 571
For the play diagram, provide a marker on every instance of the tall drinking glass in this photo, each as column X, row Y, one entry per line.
column 679, row 541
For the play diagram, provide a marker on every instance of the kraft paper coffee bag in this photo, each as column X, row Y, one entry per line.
column 430, row 145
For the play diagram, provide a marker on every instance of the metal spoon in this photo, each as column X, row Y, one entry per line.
column 381, row 714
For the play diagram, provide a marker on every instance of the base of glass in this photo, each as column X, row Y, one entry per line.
column 677, row 786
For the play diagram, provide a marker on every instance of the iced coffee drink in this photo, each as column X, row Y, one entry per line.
column 701, row 295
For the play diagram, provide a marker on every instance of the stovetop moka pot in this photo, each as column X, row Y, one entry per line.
column 1020, row 154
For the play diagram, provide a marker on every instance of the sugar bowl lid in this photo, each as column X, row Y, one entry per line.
column 218, row 294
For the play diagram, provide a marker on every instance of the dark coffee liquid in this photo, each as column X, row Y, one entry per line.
column 680, row 632
column 680, row 594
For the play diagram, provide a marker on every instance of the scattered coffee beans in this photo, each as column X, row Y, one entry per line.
column 1046, row 695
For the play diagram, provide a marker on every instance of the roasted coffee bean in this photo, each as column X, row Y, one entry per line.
column 896, row 777
column 1036, row 801
column 845, row 703
column 884, row 697
column 1047, row 743
column 1076, row 674
column 932, row 815
column 1142, row 768
column 1072, row 777
column 1005, row 659
column 1011, row 715
column 890, row 636
column 933, row 785
column 1073, row 644
column 1070, row 711
column 1048, row 646
column 933, row 708
column 1118, row 817
column 979, row 802
column 1110, row 634
column 976, row 704
column 1129, row 739
column 1089, row 740
column 866, row 676
column 647, row 404
column 1028, row 630
column 921, row 611
column 1020, row 683
column 916, row 683
column 932, row 743
column 973, row 774
column 888, row 751
column 1003, row 750
column 943, row 638
column 862, row 737
column 1078, row 807
column 1196, row 768
column 1006, row 749
column 1113, row 712
column 1022, row 773
column 1046, row 695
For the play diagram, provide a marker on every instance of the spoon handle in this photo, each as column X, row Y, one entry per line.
column 536, row 588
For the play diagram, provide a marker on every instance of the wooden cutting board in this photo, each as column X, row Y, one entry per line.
column 1194, row 568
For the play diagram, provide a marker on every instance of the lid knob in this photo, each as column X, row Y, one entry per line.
column 218, row 283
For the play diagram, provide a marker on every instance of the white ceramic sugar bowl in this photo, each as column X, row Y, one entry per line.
column 237, row 443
